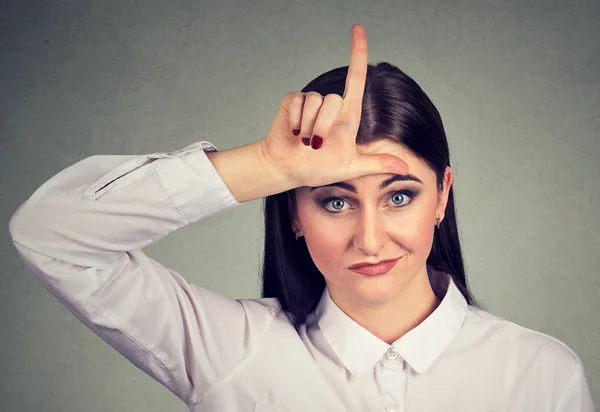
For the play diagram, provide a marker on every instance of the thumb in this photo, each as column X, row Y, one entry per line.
column 380, row 163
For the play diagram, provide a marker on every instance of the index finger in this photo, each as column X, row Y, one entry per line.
column 357, row 72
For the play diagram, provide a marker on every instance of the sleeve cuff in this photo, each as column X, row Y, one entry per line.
column 193, row 184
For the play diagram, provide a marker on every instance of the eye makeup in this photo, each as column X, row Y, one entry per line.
column 324, row 199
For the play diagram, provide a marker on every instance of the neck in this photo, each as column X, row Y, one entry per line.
column 391, row 320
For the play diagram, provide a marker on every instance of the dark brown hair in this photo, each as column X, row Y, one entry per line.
column 394, row 106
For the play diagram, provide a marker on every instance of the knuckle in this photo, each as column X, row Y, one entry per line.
column 294, row 97
column 314, row 96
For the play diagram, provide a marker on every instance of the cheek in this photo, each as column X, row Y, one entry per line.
column 325, row 239
column 413, row 228
column 325, row 249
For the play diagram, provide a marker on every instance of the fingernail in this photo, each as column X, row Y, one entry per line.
column 296, row 132
column 306, row 141
column 316, row 142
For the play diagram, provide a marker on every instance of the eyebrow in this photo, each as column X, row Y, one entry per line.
column 384, row 184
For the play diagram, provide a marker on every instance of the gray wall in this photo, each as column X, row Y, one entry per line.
column 517, row 84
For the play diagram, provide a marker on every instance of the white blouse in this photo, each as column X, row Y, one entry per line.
column 82, row 234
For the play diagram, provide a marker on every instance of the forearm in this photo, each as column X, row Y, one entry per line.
column 246, row 175
column 95, row 210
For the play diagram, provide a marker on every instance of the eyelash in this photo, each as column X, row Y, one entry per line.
column 408, row 193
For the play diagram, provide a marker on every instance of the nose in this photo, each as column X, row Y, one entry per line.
column 370, row 234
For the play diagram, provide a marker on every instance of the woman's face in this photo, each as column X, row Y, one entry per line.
column 342, row 228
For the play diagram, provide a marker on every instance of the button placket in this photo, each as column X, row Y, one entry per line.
column 392, row 361
column 392, row 407
column 393, row 381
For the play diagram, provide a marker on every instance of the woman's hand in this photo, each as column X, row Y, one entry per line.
column 333, row 118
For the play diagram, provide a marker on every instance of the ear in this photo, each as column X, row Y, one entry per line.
column 444, row 193
column 292, row 212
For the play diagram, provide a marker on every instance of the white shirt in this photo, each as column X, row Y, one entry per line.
column 82, row 234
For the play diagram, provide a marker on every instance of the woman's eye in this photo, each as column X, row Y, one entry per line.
column 336, row 204
column 399, row 199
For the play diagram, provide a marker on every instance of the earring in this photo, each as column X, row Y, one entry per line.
column 297, row 234
column 437, row 222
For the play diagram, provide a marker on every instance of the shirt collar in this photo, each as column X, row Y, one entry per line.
column 359, row 350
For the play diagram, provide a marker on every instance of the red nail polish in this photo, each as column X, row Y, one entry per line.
column 317, row 141
column 296, row 132
column 306, row 141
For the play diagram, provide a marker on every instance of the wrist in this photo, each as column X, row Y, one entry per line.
column 280, row 177
column 247, row 173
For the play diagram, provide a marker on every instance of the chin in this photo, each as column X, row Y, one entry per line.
column 373, row 291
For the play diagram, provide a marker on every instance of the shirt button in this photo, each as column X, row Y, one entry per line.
column 391, row 354
column 391, row 407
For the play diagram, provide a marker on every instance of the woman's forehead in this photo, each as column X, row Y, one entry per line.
column 417, row 167
column 385, row 145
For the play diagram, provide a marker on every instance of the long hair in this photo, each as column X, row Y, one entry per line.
column 394, row 106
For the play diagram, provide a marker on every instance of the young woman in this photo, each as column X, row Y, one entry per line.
column 365, row 303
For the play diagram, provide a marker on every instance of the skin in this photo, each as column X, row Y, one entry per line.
column 374, row 225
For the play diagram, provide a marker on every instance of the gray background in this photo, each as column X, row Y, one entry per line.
column 517, row 84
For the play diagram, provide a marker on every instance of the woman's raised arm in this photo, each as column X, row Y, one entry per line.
column 82, row 234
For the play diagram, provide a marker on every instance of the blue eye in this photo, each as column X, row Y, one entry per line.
column 401, row 196
column 337, row 203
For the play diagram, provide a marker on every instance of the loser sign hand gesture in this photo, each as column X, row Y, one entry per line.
column 324, row 151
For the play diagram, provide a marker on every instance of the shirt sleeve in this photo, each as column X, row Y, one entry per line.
column 81, row 234
column 576, row 395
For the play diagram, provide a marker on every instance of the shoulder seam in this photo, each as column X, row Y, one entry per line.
column 498, row 319
column 578, row 369
column 577, row 372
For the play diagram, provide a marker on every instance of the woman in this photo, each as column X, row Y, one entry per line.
column 365, row 308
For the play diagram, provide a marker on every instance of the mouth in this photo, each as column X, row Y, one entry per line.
column 374, row 269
